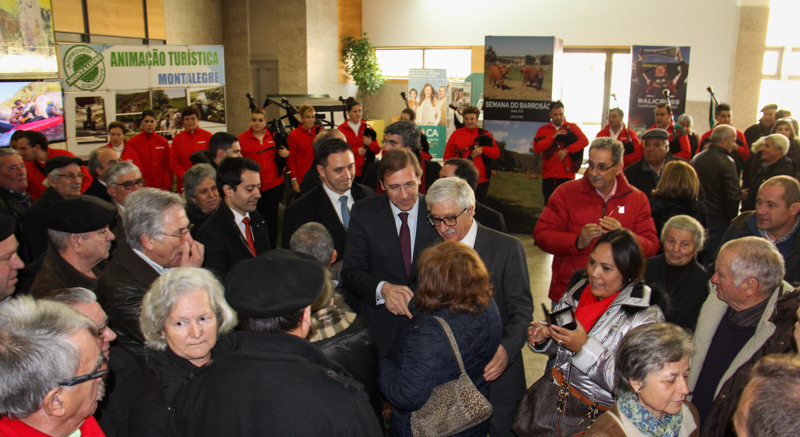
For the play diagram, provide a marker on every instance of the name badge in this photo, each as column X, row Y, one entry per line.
column 621, row 209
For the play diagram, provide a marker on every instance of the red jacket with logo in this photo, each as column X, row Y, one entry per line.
column 36, row 174
column 153, row 151
column 554, row 167
column 183, row 145
column 270, row 173
column 463, row 138
column 743, row 151
column 356, row 142
column 626, row 136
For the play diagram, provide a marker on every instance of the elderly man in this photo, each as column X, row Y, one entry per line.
column 774, row 219
column 763, row 126
column 751, row 315
column 282, row 372
column 769, row 160
column 645, row 173
column 678, row 139
column 723, row 115
column 770, row 402
column 63, row 180
column 581, row 211
column 236, row 230
column 157, row 239
column 10, row 263
column 14, row 200
column 192, row 139
column 80, row 242
column 33, row 147
column 719, row 181
column 153, row 150
column 122, row 179
column 50, row 370
column 99, row 161
column 616, row 129
column 404, row 134
column 387, row 233
column 329, row 203
column 465, row 169
column 451, row 206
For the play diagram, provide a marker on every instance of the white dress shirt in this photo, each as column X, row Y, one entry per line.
column 337, row 205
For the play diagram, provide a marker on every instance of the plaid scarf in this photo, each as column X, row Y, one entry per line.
column 330, row 321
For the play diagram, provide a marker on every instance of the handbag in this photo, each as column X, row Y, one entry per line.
column 454, row 406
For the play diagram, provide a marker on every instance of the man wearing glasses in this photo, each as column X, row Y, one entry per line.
column 451, row 206
column 582, row 210
column 157, row 239
column 122, row 179
column 50, row 370
column 645, row 173
column 34, row 149
column 386, row 235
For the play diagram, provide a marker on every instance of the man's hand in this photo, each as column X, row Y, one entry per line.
column 283, row 152
column 192, row 255
column 295, row 186
column 561, row 131
column 367, row 140
column 397, row 298
column 561, row 154
column 609, row 224
column 362, row 151
column 745, row 193
column 589, row 232
column 497, row 366
column 476, row 152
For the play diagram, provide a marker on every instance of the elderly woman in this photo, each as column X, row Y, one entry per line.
column 184, row 320
column 686, row 122
column 769, row 159
column 678, row 272
column 651, row 386
column 453, row 285
column 676, row 193
column 200, row 193
column 607, row 301
column 787, row 128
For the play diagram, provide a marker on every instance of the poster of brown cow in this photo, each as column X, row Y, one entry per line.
column 518, row 67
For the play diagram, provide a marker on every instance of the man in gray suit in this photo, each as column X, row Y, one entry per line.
column 451, row 206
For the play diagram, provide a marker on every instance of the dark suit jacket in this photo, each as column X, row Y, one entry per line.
column 36, row 222
column 641, row 176
column 10, row 207
column 374, row 255
column 505, row 260
column 224, row 243
column 491, row 218
column 97, row 189
column 316, row 206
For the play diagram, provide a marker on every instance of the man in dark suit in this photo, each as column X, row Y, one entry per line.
column 100, row 160
column 330, row 202
column 465, row 169
column 14, row 200
column 236, row 230
column 387, row 233
column 451, row 203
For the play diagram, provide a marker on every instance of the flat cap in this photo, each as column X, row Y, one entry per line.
column 7, row 226
column 771, row 106
column 59, row 162
column 276, row 283
column 658, row 134
column 78, row 214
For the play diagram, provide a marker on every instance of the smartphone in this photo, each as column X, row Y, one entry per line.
column 564, row 318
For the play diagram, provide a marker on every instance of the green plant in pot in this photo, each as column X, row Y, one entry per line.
column 361, row 63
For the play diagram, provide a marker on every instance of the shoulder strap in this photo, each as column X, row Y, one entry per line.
column 452, row 342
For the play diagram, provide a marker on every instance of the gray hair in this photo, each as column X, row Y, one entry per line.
column 774, row 389
column 688, row 224
column 778, row 141
column 115, row 171
column 158, row 303
column 194, row 177
column 756, row 258
column 60, row 239
column 607, row 143
column 144, row 213
column 71, row 296
column 645, row 350
column 454, row 190
column 685, row 118
column 36, row 352
column 313, row 239
column 721, row 133
column 408, row 132
column 8, row 151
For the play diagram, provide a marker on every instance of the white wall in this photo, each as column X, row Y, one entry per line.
column 707, row 26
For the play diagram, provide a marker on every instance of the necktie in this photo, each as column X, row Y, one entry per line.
column 405, row 242
column 250, row 243
column 345, row 212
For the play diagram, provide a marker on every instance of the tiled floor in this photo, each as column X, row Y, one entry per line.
column 539, row 270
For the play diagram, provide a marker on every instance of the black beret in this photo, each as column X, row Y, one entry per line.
column 658, row 134
column 78, row 214
column 276, row 283
column 369, row 132
column 772, row 106
column 7, row 226
column 60, row 161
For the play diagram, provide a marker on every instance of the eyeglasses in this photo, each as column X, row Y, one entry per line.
column 397, row 188
column 72, row 176
column 81, row 379
column 101, row 330
column 182, row 233
column 141, row 182
column 449, row 221
column 601, row 167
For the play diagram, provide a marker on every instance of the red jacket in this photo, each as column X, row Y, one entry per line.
column 153, row 151
column 573, row 205
column 270, row 174
column 183, row 145
column 356, row 142
column 626, row 136
column 15, row 428
column 553, row 167
column 36, row 174
column 686, row 147
column 743, row 151
column 463, row 138
column 128, row 154
column 301, row 151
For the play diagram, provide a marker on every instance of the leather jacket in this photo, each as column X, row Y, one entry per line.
column 719, row 181
column 591, row 370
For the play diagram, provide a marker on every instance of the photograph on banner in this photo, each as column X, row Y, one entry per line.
column 31, row 105
column 211, row 104
column 132, row 102
column 428, row 89
column 27, row 42
column 656, row 71
column 132, row 122
column 90, row 118
column 460, row 98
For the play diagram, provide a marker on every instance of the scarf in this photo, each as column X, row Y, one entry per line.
column 647, row 422
column 332, row 320
column 590, row 307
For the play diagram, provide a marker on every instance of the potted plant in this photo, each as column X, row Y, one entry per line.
column 361, row 63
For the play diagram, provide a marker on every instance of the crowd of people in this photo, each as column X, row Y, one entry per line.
column 145, row 293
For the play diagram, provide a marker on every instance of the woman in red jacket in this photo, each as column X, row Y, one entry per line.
column 460, row 146
column 353, row 130
column 116, row 137
column 301, row 146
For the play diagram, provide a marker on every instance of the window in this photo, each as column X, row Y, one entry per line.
column 780, row 82
column 395, row 63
